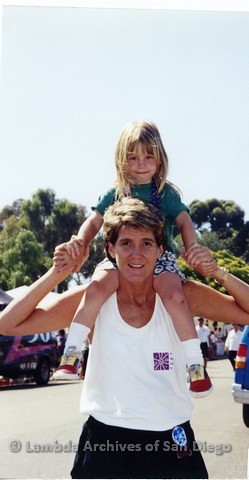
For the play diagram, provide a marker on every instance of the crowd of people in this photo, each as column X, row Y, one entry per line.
column 218, row 342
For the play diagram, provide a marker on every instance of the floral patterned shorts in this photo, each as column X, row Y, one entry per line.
column 166, row 263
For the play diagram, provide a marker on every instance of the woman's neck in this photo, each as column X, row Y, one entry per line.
column 136, row 303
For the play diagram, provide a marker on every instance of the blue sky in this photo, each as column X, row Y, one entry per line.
column 72, row 77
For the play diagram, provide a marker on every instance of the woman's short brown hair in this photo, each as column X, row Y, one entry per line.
column 132, row 212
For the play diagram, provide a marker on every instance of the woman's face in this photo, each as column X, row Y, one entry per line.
column 136, row 253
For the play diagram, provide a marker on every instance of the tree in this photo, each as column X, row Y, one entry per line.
column 53, row 221
column 211, row 240
column 8, row 211
column 36, row 213
column 221, row 216
column 199, row 212
column 65, row 221
column 240, row 244
column 22, row 260
column 221, row 225
column 31, row 229
column 97, row 254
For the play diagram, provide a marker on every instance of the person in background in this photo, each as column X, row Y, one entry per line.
column 221, row 335
column 232, row 343
column 61, row 341
column 213, row 339
column 83, row 359
column 203, row 333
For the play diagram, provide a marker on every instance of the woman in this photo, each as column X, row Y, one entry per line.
column 135, row 386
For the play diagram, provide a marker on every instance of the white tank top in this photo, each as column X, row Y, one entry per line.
column 136, row 377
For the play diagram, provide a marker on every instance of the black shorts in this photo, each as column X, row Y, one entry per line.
column 204, row 349
column 113, row 452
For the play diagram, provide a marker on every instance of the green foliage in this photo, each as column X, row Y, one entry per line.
column 29, row 233
column 97, row 254
column 21, row 260
column 199, row 212
column 222, row 216
column 221, row 225
column 13, row 210
column 64, row 222
column 237, row 266
column 211, row 240
column 240, row 244
column 53, row 221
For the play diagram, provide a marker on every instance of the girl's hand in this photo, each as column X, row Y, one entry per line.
column 207, row 269
column 63, row 258
column 200, row 258
column 75, row 246
column 197, row 254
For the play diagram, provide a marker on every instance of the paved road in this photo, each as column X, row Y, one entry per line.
column 49, row 416
column 218, row 420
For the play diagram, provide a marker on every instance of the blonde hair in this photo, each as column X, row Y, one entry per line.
column 133, row 134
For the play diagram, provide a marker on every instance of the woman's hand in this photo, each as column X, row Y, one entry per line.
column 200, row 259
column 72, row 253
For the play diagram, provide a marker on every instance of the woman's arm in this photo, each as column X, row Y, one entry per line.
column 23, row 316
column 238, row 289
column 207, row 302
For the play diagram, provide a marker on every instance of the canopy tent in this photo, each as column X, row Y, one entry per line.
column 5, row 299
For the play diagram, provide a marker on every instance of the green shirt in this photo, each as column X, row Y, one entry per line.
column 171, row 204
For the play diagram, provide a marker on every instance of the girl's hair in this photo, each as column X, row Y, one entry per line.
column 132, row 212
column 133, row 134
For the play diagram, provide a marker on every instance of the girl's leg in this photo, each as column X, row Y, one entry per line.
column 101, row 287
column 169, row 286
column 103, row 284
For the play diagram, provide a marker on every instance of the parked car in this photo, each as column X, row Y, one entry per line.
column 28, row 357
column 240, row 387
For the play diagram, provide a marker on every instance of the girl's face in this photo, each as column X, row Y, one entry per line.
column 141, row 166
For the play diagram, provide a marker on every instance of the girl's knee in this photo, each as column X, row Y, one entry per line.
column 92, row 290
column 170, row 288
column 176, row 297
column 104, row 283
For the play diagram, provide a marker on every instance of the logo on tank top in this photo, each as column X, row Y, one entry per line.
column 179, row 436
column 163, row 360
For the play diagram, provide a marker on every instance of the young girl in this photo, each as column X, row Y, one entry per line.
column 142, row 167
